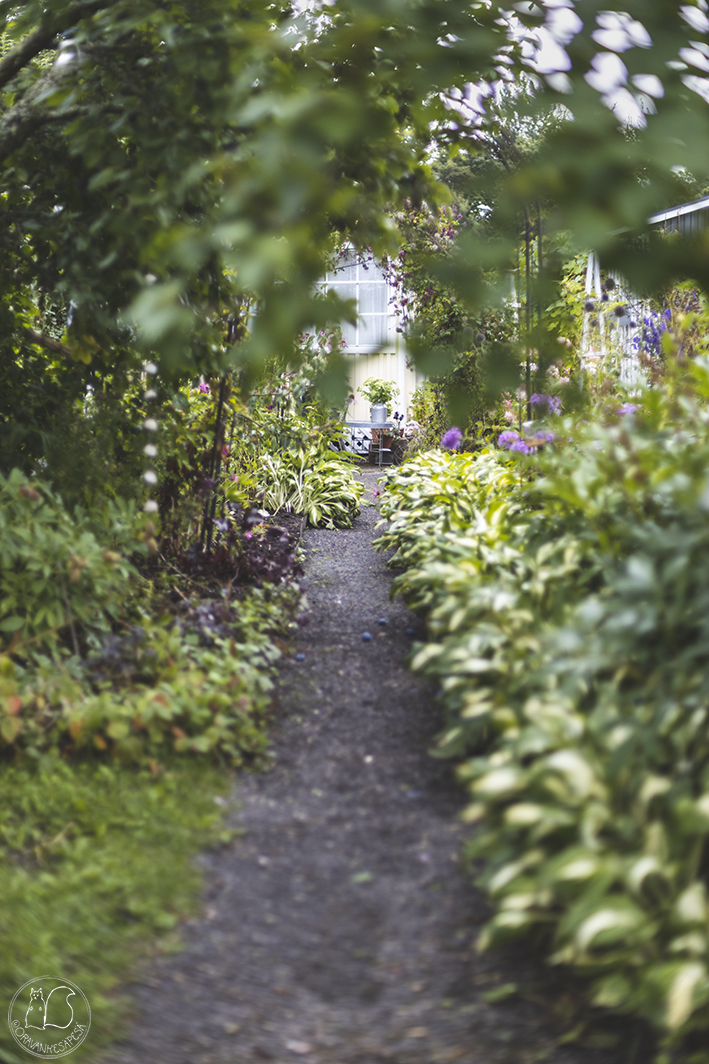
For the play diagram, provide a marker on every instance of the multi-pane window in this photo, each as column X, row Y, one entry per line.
column 361, row 279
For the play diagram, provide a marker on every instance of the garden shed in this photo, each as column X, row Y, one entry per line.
column 687, row 219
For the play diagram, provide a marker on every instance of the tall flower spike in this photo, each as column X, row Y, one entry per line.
column 150, row 450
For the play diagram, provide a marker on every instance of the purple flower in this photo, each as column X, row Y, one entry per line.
column 628, row 408
column 450, row 440
column 204, row 388
column 550, row 404
column 512, row 441
column 506, row 439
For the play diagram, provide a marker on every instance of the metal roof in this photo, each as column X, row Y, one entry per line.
column 677, row 212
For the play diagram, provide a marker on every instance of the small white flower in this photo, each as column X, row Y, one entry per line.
column 151, row 507
column 151, row 368
column 150, row 424
column 150, row 449
column 150, row 477
column 151, row 394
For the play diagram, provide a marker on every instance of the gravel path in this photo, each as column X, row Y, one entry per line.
column 339, row 929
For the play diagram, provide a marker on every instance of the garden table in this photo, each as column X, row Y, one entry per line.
column 360, row 440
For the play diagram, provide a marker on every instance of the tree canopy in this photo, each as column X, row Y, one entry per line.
column 172, row 167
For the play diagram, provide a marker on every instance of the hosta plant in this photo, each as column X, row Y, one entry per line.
column 311, row 481
column 567, row 596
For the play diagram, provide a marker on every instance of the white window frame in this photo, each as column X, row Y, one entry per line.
column 368, row 273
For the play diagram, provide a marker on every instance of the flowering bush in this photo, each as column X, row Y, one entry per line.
column 653, row 327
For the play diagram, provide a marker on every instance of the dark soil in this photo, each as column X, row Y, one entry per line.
column 340, row 929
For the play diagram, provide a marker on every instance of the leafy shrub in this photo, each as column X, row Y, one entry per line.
column 197, row 682
column 375, row 390
column 166, row 686
column 248, row 551
column 567, row 596
column 57, row 580
column 313, row 482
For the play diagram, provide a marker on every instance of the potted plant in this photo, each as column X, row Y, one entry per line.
column 379, row 393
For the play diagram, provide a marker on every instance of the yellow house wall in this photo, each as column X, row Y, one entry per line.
column 390, row 366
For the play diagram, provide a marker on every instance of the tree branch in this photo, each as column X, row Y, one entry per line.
column 27, row 115
column 48, row 342
column 41, row 38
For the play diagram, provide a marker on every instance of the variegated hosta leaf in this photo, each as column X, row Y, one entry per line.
column 569, row 612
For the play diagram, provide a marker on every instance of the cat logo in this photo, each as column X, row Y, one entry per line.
column 49, row 1017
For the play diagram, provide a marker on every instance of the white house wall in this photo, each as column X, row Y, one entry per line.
column 374, row 347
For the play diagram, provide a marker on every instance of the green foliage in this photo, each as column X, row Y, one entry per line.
column 566, row 596
column 94, row 864
column 162, row 684
column 315, row 482
column 564, row 316
column 453, row 343
column 274, row 448
column 169, row 166
column 376, row 390
column 57, row 580
column 163, row 687
column 427, row 407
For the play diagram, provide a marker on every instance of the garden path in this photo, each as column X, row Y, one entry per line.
column 340, row 929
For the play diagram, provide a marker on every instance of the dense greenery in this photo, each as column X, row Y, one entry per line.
column 163, row 158
column 566, row 595
column 313, row 482
column 176, row 177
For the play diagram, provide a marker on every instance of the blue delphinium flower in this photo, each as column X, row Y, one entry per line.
column 649, row 339
column 450, row 440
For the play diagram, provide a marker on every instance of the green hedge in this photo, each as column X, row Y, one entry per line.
column 567, row 597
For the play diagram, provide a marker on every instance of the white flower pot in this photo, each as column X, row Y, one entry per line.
column 378, row 413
